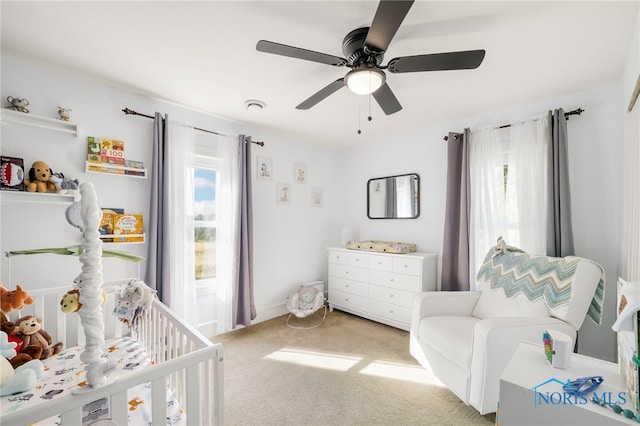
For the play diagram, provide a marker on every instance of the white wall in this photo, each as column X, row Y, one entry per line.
column 289, row 240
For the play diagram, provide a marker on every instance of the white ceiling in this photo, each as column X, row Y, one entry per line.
column 202, row 55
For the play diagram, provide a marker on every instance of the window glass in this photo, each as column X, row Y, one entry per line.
column 205, row 180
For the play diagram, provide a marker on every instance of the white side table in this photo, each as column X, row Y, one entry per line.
column 528, row 373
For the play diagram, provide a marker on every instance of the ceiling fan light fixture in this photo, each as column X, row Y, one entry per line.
column 364, row 80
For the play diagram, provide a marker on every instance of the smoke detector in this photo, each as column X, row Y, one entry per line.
column 255, row 105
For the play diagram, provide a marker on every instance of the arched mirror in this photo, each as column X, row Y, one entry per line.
column 394, row 197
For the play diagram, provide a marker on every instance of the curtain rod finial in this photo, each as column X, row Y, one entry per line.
column 128, row 111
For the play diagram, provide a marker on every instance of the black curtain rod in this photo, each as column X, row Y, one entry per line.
column 576, row 111
column 128, row 111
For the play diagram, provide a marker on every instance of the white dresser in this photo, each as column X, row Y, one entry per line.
column 379, row 286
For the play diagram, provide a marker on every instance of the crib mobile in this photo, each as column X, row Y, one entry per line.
column 133, row 297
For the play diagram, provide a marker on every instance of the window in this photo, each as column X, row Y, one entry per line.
column 205, row 224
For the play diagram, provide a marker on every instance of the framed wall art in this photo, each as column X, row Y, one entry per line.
column 300, row 173
column 264, row 168
column 283, row 193
column 316, row 197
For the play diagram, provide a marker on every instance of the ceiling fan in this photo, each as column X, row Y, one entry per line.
column 364, row 49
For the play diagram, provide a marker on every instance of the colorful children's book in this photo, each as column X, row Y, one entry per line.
column 107, row 223
column 627, row 326
column 128, row 223
column 12, row 173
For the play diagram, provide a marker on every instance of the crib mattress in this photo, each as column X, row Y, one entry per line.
column 64, row 373
column 382, row 246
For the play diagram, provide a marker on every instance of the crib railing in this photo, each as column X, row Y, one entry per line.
column 183, row 360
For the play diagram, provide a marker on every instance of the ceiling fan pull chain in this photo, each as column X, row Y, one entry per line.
column 359, row 131
column 369, row 117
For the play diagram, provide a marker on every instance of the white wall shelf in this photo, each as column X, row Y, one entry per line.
column 115, row 170
column 27, row 119
column 35, row 197
column 118, row 236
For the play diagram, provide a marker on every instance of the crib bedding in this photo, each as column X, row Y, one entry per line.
column 64, row 373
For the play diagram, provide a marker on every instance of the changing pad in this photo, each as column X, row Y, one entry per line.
column 382, row 246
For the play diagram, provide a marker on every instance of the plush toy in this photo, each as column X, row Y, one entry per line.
column 18, row 104
column 306, row 298
column 40, row 178
column 20, row 355
column 30, row 330
column 20, row 379
column 134, row 299
column 64, row 184
column 14, row 299
column 70, row 301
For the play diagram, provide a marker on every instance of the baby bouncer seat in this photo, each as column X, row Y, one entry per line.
column 306, row 301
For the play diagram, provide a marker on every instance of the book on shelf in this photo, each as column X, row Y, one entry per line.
column 102, row 150
column 629, row 339
column 107, row 222
column 12, row 173
column 102, row 169
column 128, row 223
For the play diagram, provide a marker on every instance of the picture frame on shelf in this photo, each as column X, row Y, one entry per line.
column 264, row 168
column 300, row 173
column 316, row 197
column 283, row 193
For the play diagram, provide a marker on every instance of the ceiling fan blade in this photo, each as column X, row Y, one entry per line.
column 387, row 100
column 298, row 53
column 323, row 93
column 468, row 59
column 386, row 22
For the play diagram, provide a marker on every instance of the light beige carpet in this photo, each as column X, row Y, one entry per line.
column 348, row 371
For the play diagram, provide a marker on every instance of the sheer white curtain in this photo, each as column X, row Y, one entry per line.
column 529, row 142
column 486, row 175
column 179, row 248
column 508, row 172
column 227, row 245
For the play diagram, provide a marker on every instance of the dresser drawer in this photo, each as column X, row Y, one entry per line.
column 405, row 265
column 348, row 286
column 391, row 295
column 348, row 300
column 389, row 310
column 410, row 283
column 348, row 272
column 380, row 263
column 338, row 257
column 358, row 259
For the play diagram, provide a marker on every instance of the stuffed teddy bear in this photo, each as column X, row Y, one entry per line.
column 21, row 355
column 40, row 178
column 20, row 379
column 30, row 330
column 14, row 299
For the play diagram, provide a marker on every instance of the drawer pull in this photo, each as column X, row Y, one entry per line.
column 346, row 299
column 391, row 311
column 406, row 266
column 346, row 286
column 391, row 295
column 357, row 260
column 391, row 280
column 347, row 272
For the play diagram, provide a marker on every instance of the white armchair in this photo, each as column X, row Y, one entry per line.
column 467, row 338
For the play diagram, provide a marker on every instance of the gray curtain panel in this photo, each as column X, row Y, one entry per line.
column 244, row 309
column 455, row 248
column 155, row 266
column 559, row 229
column 391, row 204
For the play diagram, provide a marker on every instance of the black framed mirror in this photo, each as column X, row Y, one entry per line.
column 394, row 197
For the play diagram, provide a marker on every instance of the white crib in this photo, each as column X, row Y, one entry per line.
column 182, row 359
